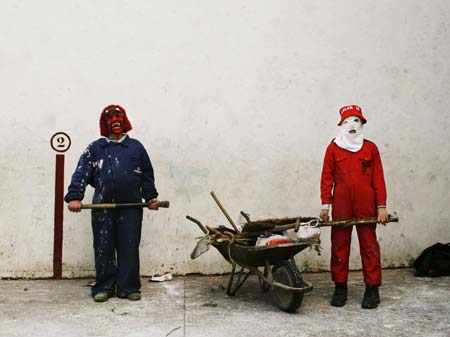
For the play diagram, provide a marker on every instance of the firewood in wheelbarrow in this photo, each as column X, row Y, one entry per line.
column 257, row 226
column 269, row 224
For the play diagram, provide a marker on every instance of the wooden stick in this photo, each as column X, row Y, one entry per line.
column 224, row 212
column 213, row 230
column 355, row 222
column 344, row 223
column 163, row 204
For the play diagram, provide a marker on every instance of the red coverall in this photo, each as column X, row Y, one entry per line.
column 353, row 182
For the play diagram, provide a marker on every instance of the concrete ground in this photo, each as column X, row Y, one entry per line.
column 198, row 306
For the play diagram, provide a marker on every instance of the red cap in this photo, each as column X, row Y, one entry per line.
column 351, row 110
column 103, row 130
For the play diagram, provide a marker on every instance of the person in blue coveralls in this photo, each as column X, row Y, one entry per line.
column 120, row 170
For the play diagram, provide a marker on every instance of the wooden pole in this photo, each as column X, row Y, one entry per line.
column 224, row 212
column 163, row 204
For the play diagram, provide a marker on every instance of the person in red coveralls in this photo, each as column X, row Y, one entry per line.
column 353, row 184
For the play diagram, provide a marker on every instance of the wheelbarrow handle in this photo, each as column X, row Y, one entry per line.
column 163, row 204
column 199, row 224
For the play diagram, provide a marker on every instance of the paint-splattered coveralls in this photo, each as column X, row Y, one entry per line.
column 353, row 182
column 120, row 172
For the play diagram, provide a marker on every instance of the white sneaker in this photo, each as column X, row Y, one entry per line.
column 167, row 276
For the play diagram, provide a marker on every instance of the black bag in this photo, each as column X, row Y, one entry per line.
column 434, row 261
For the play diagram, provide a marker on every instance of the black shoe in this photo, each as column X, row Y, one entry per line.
column 371, row 297
column 340, row 295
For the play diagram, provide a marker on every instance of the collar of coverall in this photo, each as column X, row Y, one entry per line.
column 123, row 141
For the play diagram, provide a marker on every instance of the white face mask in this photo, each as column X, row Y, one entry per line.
column 350, row 135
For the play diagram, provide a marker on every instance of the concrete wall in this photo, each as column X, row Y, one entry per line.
column 239, row 97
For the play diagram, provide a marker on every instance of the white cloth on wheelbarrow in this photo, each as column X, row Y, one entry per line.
column 304, row 233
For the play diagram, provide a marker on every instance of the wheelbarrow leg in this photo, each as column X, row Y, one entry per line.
column 230, row 281
column 265, row 287
column 240, row 281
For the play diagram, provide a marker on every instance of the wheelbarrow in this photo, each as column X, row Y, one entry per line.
column 273, row 265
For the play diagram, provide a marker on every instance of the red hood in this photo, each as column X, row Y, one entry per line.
column 103, row 130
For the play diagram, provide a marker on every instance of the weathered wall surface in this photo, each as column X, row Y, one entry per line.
column 236, row 97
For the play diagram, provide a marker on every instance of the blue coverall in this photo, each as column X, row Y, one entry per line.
column 120, row 172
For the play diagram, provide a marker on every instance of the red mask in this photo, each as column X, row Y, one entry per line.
column 113, row 120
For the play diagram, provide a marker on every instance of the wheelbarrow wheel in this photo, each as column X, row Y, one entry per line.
column 285, row 272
